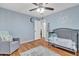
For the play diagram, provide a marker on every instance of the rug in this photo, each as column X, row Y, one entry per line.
column 39, row 51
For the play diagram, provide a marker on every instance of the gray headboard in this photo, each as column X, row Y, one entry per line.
column 66, row 33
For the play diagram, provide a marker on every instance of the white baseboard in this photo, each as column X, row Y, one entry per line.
column 29, row 41
column 26, row 41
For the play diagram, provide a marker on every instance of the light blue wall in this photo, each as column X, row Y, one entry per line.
column 68, row 18
column 17, row 24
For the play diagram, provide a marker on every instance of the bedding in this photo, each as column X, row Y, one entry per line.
column 63, row 42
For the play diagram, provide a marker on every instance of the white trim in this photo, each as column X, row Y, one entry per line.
column 26, row 41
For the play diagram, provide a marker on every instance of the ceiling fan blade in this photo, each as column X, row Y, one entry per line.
column 35, row 4
column 48, row 8
column 32, row 9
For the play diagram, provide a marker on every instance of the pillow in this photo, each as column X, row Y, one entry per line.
column 5, row 36
column 53, row 37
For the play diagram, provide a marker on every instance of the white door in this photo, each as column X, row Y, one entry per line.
column 44, row 29
column 37, row 29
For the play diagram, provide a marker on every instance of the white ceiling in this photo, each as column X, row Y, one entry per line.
column 24, row 7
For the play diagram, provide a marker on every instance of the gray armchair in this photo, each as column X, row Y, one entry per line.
column 9, row 47
column 8, row 44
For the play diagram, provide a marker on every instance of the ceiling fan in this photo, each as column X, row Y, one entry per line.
column 41, row 7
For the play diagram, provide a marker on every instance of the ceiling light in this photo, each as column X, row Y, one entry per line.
column 40, row 10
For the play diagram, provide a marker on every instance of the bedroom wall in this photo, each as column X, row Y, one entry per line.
column 17, row 24
column 68, row 18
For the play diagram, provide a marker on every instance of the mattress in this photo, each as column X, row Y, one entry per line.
column 63, row 42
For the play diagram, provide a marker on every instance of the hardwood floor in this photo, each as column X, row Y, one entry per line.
column 26, row 46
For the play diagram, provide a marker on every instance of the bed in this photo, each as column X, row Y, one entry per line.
column 65, row 38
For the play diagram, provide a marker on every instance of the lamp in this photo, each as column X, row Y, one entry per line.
column 40, row 10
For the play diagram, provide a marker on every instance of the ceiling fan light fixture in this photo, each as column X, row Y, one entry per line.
column 40, row 10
